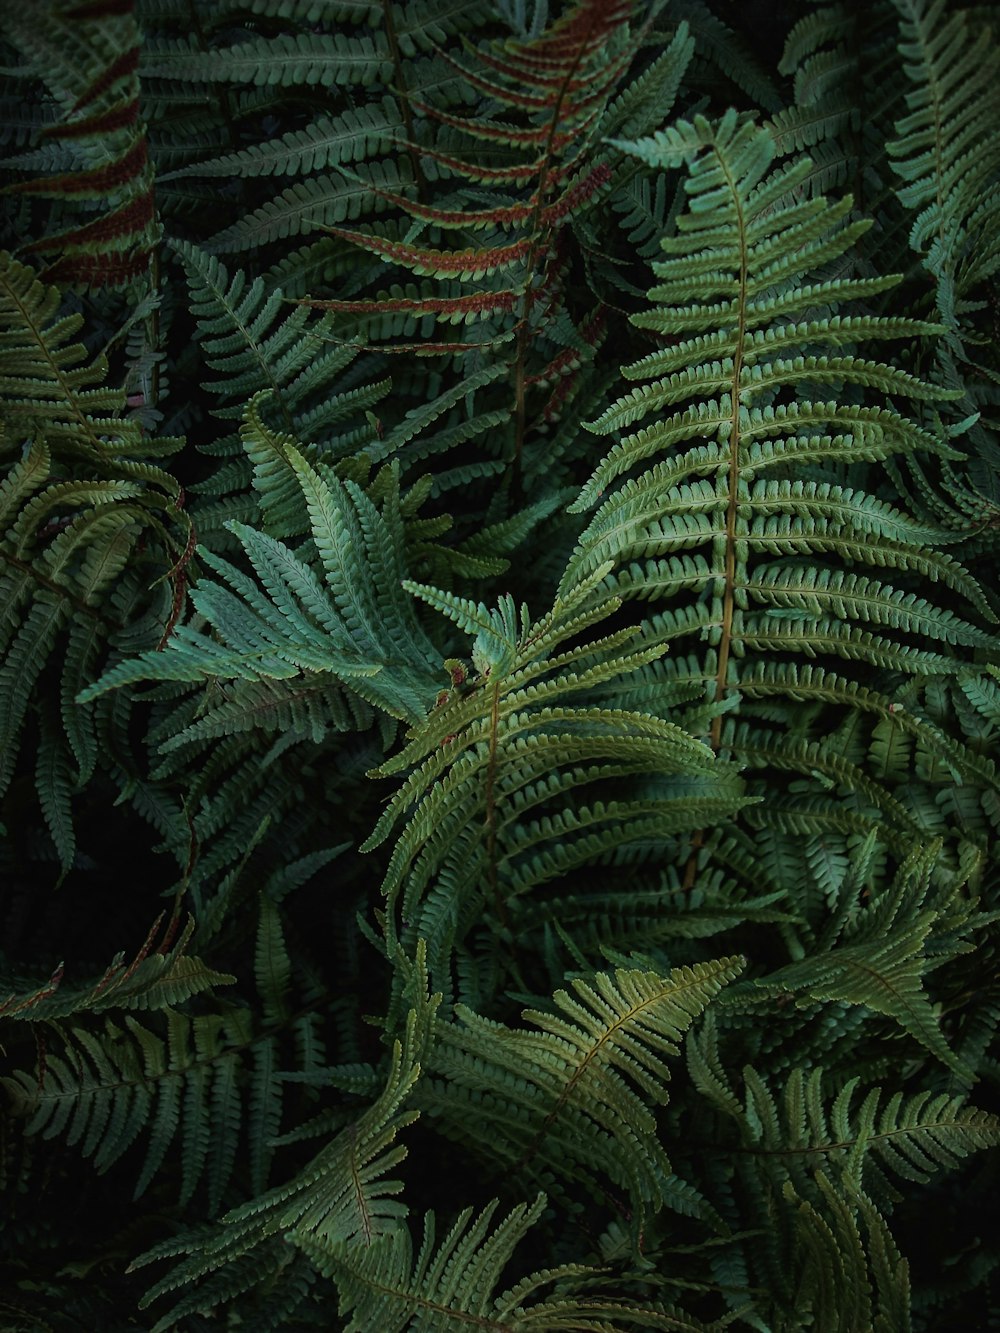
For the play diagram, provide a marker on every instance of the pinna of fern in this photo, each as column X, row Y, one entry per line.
column 102, row 228
column 718, row 522
column 90, row 520
column 533, row 153
column 510, row 783
column 945, row 153
column 365, row 60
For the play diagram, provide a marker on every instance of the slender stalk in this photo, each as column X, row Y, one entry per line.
column 732, row 508
column 491, row 809
column 539, row 244
column 153, row 327
column 399, row 84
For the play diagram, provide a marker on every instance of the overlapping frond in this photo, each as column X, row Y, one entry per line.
column 205, row 1086
column 102, row 227
column 254, row 344
column 110, row 1086
column 342, row 615
column 496, row 800
column 536, row 156
column 453, row 1284
column 847, row 90
column 948, row 147
column 79, row 493
column 341, row 1201
column 946, row 156
column 727, row 417
column 574, row 1093
column 457, row 875
column 151, row 980
column 819, row 1151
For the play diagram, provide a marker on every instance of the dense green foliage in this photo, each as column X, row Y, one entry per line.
column 499, row 666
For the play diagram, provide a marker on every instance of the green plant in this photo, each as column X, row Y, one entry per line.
column 499, row 647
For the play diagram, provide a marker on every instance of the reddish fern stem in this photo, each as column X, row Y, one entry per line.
column 537, row 240
column 178, row 574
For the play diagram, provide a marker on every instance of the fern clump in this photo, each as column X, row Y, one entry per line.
column 499, row 649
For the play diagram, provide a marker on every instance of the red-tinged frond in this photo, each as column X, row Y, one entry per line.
column 420, row 348
column 551, row 291
column 121, row 117
column 123, row 67
column 129, row 220
column 512, row 136
column 489, row 217
column 109, row 269
column 564, row 365
column 433, row 263
column 15, row 1004
column 512, row 174
column 572, row 83
column 561, row 365
column 523, row 101
column 478, row 303
column 564, row 56
column 593, row 329
column 94, row 184
column 566, row 383
column 440, row 349
column 512, row 68
column 586, row 27
column 578, row 194
column 556, row 400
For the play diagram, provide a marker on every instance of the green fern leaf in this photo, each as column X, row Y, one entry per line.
column 573, row 1092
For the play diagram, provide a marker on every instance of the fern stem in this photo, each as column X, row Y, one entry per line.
column 491, row 809
column 153, row 326
column 527, row 296
column 399, row 86
column 729, row 562
column 729, row 590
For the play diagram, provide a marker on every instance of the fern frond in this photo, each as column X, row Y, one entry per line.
column 284, row 60
column 109, row 1087
column 483, row 821
column 152, row 980
column 948, row 149
column 88, row 61
column 452, row 1285
column 320, row 201
column 746, row 249
column 350, row 622
column 353, row 136
column 69, row 541
column 572, row 1093
column 341, row 1197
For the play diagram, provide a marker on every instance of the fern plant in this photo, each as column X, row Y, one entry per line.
column 550, row 728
